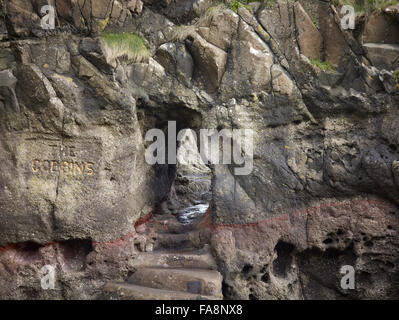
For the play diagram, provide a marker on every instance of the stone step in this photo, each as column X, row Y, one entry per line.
column 195, row 281
column 125, row 291
column 201, row 259
column 169, row 224
column 186, row 241
column 175, row 227
column 189, row 240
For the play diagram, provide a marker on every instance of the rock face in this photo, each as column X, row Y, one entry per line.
column 61, row 167
column 383, row 56
column 309, row 38
column 334, row 43
column 381, row 39
column 324, row 189
column 306, row 250
column 211, row 59
column 177, row 60
column 381, row 28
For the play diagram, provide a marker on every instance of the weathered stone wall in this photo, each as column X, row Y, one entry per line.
column 72, row 151
column 71, row 147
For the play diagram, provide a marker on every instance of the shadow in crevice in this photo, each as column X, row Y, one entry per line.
column 284, row 260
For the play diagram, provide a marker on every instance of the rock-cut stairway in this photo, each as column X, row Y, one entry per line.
column 181, row 268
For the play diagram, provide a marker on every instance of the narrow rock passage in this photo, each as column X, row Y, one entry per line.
column 180, row 267
column 180, row 264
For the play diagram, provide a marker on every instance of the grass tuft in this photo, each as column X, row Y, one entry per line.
column 210, row 12
column 128, row 45
column 323, row 65
column 396, row 78
column 236, row 4
column 180, row 33
column 366, row 5
column 214, row 9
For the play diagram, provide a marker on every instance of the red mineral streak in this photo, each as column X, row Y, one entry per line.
column 8, row 247
column 18, row 246
column 143, row 220
column 208, row 223
column 115, row 242
column 302, row 213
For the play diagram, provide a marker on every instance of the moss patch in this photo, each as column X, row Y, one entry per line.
column 323, row 65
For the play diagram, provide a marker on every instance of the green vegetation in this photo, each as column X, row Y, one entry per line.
column 180, row 33
column 396, row 76
column 212, row 10
column 129, row 45
column 323, row 65
column 380, row 4
column 236, row 4
column 315, row 23
column 367, row 5
column 270, row 3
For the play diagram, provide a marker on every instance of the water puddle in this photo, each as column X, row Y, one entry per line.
column 190, row 214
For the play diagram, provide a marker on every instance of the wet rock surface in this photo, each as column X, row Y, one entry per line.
column 179, row 264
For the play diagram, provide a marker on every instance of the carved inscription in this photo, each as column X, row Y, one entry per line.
column 63, row 159
column 69, row 167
